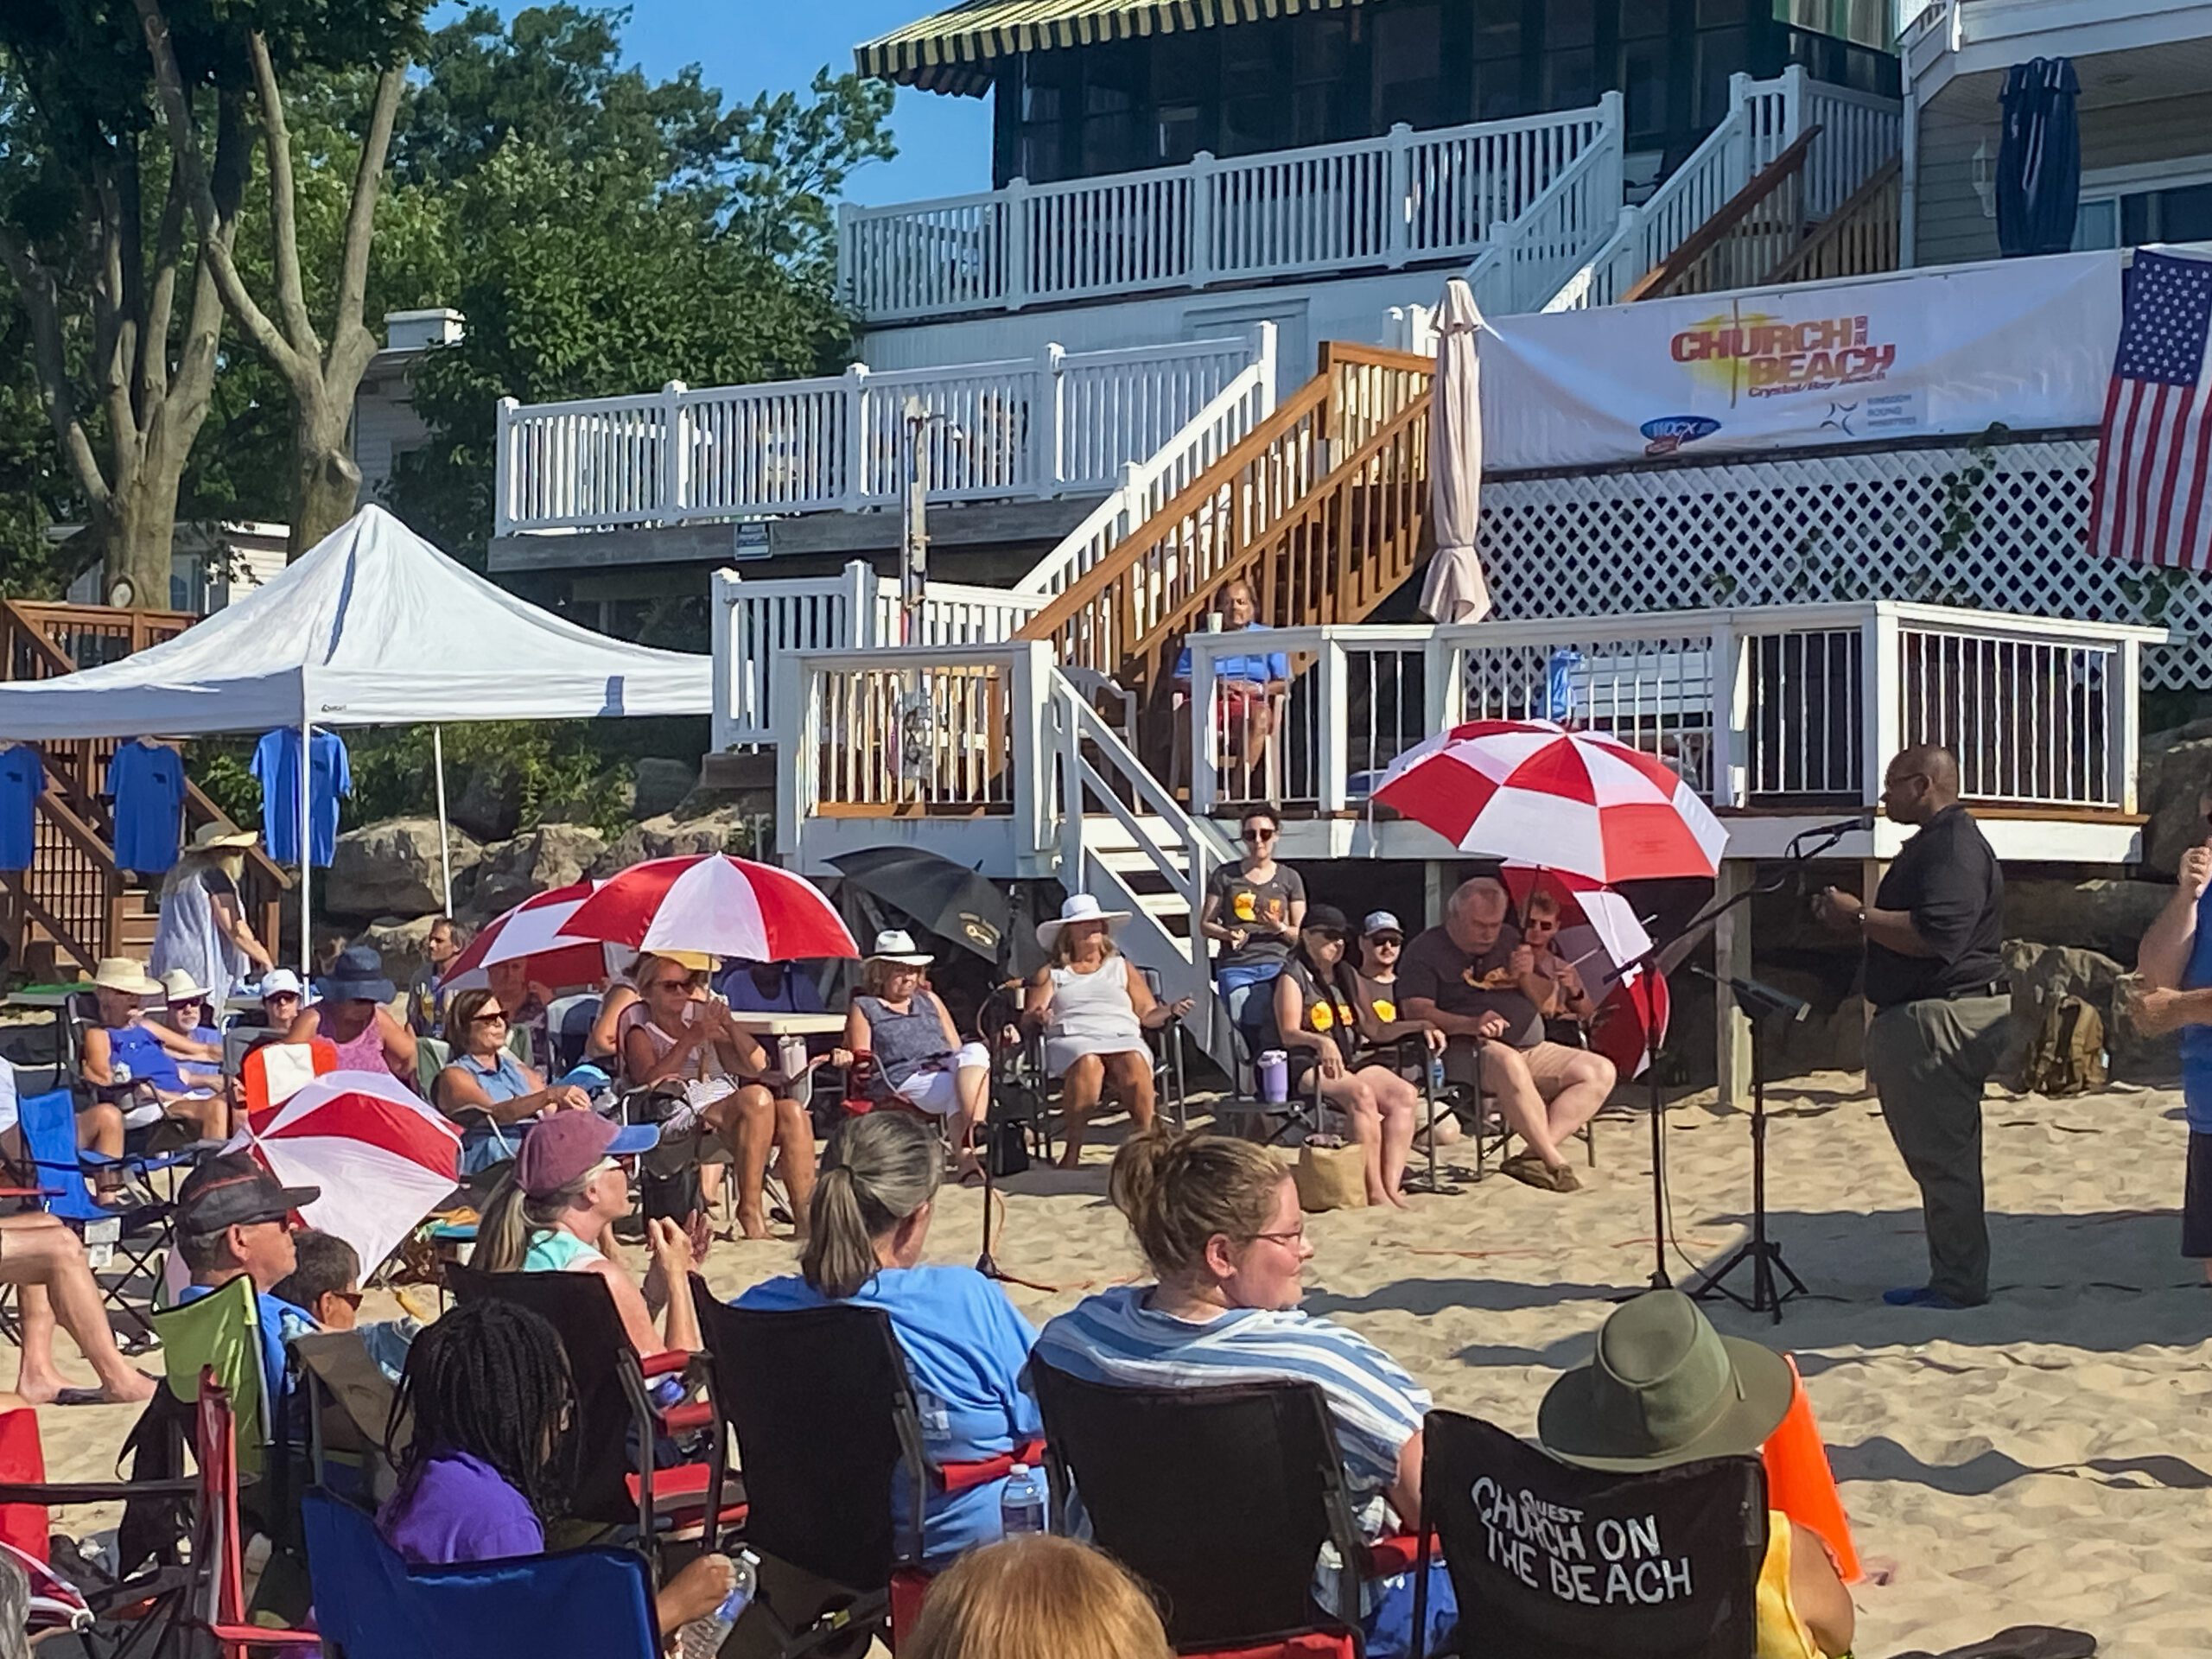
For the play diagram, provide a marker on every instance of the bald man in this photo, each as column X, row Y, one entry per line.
column 1934, row 979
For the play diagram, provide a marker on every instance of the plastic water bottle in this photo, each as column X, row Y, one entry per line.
column 702, row 1638
column 1021, row 1506
column 120, row 1071
column 669, row 1392
column 1436, row 1079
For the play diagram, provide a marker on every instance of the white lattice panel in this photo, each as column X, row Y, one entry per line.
column 1835, row 528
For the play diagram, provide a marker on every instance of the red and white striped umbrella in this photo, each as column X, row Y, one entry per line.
column 532, row 932
column 1631, row 1021
column 1532, row 792
column 715, row 904
column 1599, row 929
column 383, row 1156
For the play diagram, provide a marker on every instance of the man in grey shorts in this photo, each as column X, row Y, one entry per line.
column 1934, row 979
column 1474, row 980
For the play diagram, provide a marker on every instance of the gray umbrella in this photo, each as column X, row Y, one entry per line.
column 2039, row 159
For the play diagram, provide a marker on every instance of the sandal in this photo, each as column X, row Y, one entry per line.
column 1529, row 1170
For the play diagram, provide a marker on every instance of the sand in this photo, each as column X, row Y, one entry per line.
column 2044, row 1459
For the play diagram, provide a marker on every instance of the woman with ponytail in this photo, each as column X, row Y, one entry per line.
column 1219, row 1222
column 963, row 1343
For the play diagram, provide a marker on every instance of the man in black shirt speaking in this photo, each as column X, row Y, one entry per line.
column 1934, row 979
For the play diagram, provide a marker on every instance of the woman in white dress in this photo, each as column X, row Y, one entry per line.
column 1093, row 1007
column 203, row 929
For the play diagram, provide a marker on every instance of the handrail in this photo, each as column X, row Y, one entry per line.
column 1870, row 212
column 1735, row 212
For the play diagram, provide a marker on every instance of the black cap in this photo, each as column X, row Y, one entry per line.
column 1325, row 918
column 231, row 1189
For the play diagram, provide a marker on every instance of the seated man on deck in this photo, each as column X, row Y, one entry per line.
column 1475, row 980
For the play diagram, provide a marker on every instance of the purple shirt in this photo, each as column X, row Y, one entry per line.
column 461, row 1510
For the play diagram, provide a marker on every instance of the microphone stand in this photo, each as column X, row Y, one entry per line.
column 1763, row 1253
column 1664, row 960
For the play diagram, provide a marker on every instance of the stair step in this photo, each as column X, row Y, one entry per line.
column 1165, row 906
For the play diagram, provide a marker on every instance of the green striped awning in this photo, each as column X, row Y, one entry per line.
column 952, row 50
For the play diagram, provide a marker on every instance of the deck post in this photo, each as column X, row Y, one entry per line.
column 1436, row 890
column 1732, row 959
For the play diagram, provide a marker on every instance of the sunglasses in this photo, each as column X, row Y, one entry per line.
column 352, row 1299
column 1326, row 935
column 684, row 984
column 496, row 1017
column 1259, row 834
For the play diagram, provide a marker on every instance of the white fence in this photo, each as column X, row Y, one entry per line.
column 757, row 624
column 1057, row 423
column 1772, row 706
column 1368, row 204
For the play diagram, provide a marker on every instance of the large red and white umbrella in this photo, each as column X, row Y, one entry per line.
column 532, row 932
column 1632, row 1020
column 383, row 1156
column 1599, row 932
column 716, row 905
column 1581, row 802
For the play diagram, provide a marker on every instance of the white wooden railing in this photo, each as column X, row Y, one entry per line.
column 1767, row 706
column 757, row 623
column 1061, row 422
column 1368, row 204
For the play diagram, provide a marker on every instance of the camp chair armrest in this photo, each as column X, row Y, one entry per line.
column 966, row 1476
column 690, row 1418
column 664, row 1364
column 257, row 1635
column 1388, row 1557
column 30, row 1192
column 56, row 1493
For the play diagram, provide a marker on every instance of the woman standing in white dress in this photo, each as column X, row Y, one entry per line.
column 1093, row 1007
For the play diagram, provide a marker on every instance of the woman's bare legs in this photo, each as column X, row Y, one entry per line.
column 795, row 1159
column 971, row 1086
column 1080, row 1087
column 747, row 1121
column 1399, row 1103
column 1128, row 1079
column 45, row 1259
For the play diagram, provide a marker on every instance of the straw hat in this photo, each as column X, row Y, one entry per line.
column 1080, row 907
column 1664, row 1388
column 896, row 944
column 212, row 837
column 122, row 974
column 178, row 986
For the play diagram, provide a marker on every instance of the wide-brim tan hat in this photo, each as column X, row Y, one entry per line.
column 212, row 837
column 122, row 974
column 178, row 986
column 1664, row 1388
column 1081, row 907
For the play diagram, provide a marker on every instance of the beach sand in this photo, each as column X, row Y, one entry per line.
column 2045, row 1460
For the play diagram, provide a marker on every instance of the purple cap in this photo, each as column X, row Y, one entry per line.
column 561, row 1147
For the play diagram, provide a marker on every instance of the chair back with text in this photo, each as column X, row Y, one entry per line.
column 1224, row 1507
column 824, row 1416
column 372, row 1605
column 580, row 1308
column 1573, row 1563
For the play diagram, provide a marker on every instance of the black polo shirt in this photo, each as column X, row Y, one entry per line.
column 1949, row 880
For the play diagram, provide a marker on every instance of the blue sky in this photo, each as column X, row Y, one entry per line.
column 747, row 46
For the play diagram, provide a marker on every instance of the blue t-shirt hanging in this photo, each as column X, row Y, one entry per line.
column 22, row 780
column 277, row 763
column 146, row 782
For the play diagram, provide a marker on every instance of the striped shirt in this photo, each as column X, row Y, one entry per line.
column 1373, row 1406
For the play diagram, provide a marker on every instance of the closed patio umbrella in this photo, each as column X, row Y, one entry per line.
column 2038, row 158
column 1454, row 590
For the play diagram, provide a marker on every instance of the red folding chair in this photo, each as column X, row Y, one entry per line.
column 218, row 1598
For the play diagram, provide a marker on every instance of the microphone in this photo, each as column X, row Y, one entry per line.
column 1840, row 828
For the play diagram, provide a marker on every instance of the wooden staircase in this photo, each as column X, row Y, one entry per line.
column 73, row 907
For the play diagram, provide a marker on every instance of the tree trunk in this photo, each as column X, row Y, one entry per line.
column 138, row 533
column 327, row 486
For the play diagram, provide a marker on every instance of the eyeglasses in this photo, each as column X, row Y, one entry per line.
column 1259, row 834
column 1294, row 1237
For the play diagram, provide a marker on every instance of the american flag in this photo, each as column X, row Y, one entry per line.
column 2149, row 501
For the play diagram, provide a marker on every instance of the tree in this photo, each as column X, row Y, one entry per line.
column 320, row 377
column 109, row 271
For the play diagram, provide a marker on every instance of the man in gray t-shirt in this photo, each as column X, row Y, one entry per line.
column 1474, row 980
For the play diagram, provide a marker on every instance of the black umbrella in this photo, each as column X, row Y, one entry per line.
column 2039, row 159
column 935, row 894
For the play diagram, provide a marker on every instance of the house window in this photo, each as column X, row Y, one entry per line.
column 1409, row 66
column 1320, row 79
column 1498, row 38
column 2171, row 203
column 1570, row 54
column 1643, row 77
column 1254, row 115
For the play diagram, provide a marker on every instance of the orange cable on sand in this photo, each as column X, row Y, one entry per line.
column 1801, row 1485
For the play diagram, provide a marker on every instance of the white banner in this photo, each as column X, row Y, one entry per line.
column 2028, row 342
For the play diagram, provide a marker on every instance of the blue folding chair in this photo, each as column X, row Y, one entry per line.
column 369, row 1604
column 138, row 1231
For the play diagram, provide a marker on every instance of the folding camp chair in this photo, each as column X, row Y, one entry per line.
column 371, row 1604
column 1658, row 1566
column 217, row 1546
column 819, row 1512
column 139, row 1231
column 1225, row 1513
column 614, row 1412
column 346, row 1399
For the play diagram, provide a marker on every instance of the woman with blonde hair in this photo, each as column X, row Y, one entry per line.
column 919, row 1060
column 1037, row 1598
column 1093, row 1007
column 964, row 1342
column 203, row 929
column 1219, row 1225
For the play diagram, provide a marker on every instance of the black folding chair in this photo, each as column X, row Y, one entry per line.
column 1572, row 1563
column 614, row 1482
column 1224, row 1513
column 825, row 1419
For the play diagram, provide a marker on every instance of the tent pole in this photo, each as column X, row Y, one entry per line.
column 307, row 852
column 445, row 840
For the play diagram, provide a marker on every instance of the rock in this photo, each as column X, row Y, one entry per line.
column 399, row 942
column 724, row 830
column 489, row 806
column 2169, row 783
column 391, row 869
column 551, row 855
column 2104, row 916
column 661, row 784
column 2042, row 973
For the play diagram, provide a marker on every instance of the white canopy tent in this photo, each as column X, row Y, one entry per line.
column 371, row 627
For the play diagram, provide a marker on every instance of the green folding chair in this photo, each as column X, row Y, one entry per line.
column 221, row 1332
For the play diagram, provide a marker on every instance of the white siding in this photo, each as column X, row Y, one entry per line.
column 385, row 426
